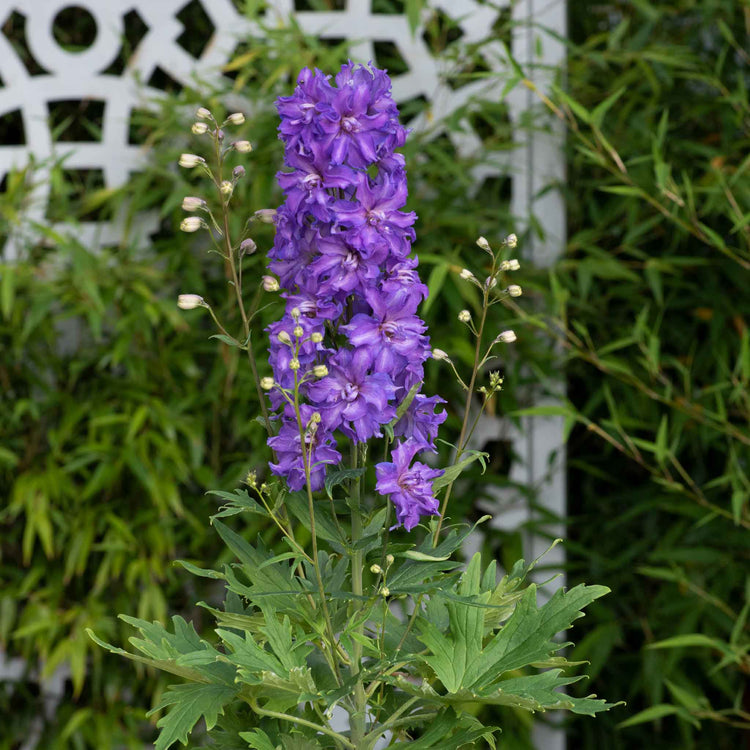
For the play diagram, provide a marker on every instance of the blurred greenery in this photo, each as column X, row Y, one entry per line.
column 117, row 413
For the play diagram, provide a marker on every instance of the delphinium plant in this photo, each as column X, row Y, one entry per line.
column 360, row 627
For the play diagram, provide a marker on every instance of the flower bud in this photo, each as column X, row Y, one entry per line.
column 316, row 337
column 389, row 560
column 244, row 147
column 514, row 290
column 466, row 274
column 320, row 371
column 236, row 118
column 191, row 224
column 238, row 172
column 267, row 383
column 248, row 246
column 294, row 364
column 506, row 337
column 440, row 354
column 482, row 242
column 266, row 215
column 199, row 128
column 296, row 312
column 190, row 160
column 190, row 301
column 203, row 113
column 376, row 569
column 464, row 316
column 511, row 241
column 190, row 203
column 226, row 187
column 252, row 478
column 510, row 265
column 315, row 418
column 270, row 284
column 490, row 282
column 284, row 337
column 298, row 332
column 385, row 592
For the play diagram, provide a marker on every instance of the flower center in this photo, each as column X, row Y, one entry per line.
column 351, row 391
column 349, row 124
column 351, row 261
column 374, row 218
column 312, row 181
column 388, row 329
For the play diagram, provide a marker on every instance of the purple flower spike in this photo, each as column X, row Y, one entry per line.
column 410, row 489
column 341, row 255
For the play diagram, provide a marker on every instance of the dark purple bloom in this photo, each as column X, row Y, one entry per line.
column 374, row 216
column 320, row 445
column 410, row 489
column 353, row 398
column 392, row 333
column 420, row 421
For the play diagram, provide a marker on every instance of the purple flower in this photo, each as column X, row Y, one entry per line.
column 374, row 216
column 410, row 489
column 353, row 398
column 320, row 445
column 420, row 421
column 392, row 333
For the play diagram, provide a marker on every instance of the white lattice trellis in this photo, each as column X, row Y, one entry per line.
column 82, row 75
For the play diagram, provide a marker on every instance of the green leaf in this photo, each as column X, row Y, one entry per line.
column 7, row 291
column 659, row 711
column 453, row 472
column 190, row 703
column 340, row 476
column 258, row 740
column 597, row 114
column 228, row 340
column 689, row 640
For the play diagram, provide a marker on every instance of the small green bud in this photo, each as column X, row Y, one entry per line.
column 284, row 337
column 267, row 383
column 236, row 118
column 203, row 114
column 464, row 316
column 320, row 371
column 298, row 332
column 190, row 160
column 514, row 290
column 506, row 337
column 294, row 364
column 511, row 241
column 226, row 187
column 482, row 242
column 199, row 128
column 243, row 147
column 190, row 301
column 385, row 592
column 270, row 284
column 191, row 224
column 376, row 569
column 316, row 337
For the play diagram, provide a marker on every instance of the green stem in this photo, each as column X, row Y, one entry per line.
column 359, row 717
column 393, row 721
column 238, row 290
column 467, row 409
column 332, row 650
column 304, row 722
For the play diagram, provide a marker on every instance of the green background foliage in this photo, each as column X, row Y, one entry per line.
column 117, row 413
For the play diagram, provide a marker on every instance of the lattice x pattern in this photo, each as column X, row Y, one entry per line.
column 126, row 52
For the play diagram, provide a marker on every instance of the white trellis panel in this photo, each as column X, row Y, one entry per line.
column 532, row 167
